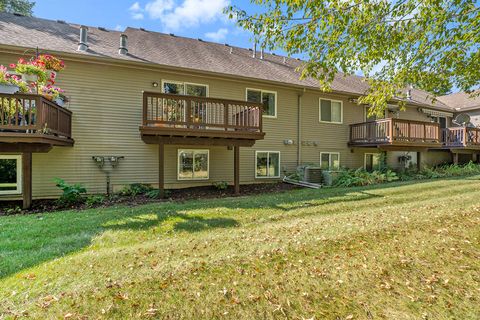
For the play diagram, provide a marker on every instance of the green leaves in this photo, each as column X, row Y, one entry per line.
column 430, row 44
column 24, row 7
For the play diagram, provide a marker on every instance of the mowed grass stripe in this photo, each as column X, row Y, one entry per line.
column 406, row 251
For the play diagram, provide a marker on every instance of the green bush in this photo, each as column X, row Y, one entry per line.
column 442, row 171
column 361, row 177
column 221, row 185
column 135, row 189
column 95, row 200
column 154, row 193
column 72, row 194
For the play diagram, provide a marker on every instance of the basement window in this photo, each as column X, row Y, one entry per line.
column 330, row 161
column 267, row 164
column 10, row 174
column 193, row 164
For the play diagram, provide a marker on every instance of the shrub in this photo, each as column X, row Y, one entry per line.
column 72, row 194
column 221, row 185
column 94, row 200
column 442, row 171
column 135, row 189
column 360, row 177
column 154, row 193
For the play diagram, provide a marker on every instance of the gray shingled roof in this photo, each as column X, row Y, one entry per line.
column 461, row 101
column 164, row 49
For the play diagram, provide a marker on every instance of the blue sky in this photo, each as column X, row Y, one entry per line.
column 191, row 18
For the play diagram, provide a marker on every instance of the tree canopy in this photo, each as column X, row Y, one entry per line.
column 431, row 44
column 24, row 7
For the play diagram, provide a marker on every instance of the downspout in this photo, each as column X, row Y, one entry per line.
column 299, row 127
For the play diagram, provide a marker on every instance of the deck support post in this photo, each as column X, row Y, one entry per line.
column 161, row 170
column 419, row 161
column 236, row 169
column 455, row 158
column 27, row 179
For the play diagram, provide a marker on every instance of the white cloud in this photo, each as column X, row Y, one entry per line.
column 118, row 27
column 135, row 7
column 136, row 11
column 177, row 14
column 137, row 16
column 217, row 36
column 157, row 9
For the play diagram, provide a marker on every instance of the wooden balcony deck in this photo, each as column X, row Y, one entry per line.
column 461, row 138
column 31, row 121
column 407, row 133
column 395, row 132
column 180, row 119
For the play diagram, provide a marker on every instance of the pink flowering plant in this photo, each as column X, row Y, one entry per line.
column 6, row 78
column 32, row 67
column 51, row 92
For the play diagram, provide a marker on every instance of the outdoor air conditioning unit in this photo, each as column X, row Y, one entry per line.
column 313, row 175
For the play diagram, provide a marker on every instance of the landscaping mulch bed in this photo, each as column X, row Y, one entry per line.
column 177, row 195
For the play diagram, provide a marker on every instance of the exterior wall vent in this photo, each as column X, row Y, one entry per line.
column 83, row 44
column 123, row 49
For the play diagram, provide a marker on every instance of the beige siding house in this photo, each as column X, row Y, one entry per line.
column 183, row 112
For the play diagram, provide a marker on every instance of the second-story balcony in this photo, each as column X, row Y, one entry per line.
column 461, row 137
column 395, row 132
column 408, row 133
column 33, row 120
column 181, row 119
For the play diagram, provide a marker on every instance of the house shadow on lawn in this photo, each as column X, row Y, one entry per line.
column 27, row 241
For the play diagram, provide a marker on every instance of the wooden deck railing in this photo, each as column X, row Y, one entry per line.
column 200, row 113
column 29, row 113
column 461, row 137
column 390, row 131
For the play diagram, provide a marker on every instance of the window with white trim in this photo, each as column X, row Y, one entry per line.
column 193, row 164
column 267, row 164
column 186, row 88
column 10, row 174
column 330, row 161
column 267, row 98
column 372, row 161
column 331, row 111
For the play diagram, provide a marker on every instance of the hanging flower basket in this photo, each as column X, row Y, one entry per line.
column 29, row 77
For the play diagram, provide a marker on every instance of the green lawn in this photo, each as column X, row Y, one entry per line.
column 395, row 251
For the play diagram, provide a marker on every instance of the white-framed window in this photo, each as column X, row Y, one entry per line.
column 267, row 164
column 10, row 174
column 193, row 164
column 185, row 88
column 372, row 161
column 331, row 110
column 330, row 161
column 267, row 98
